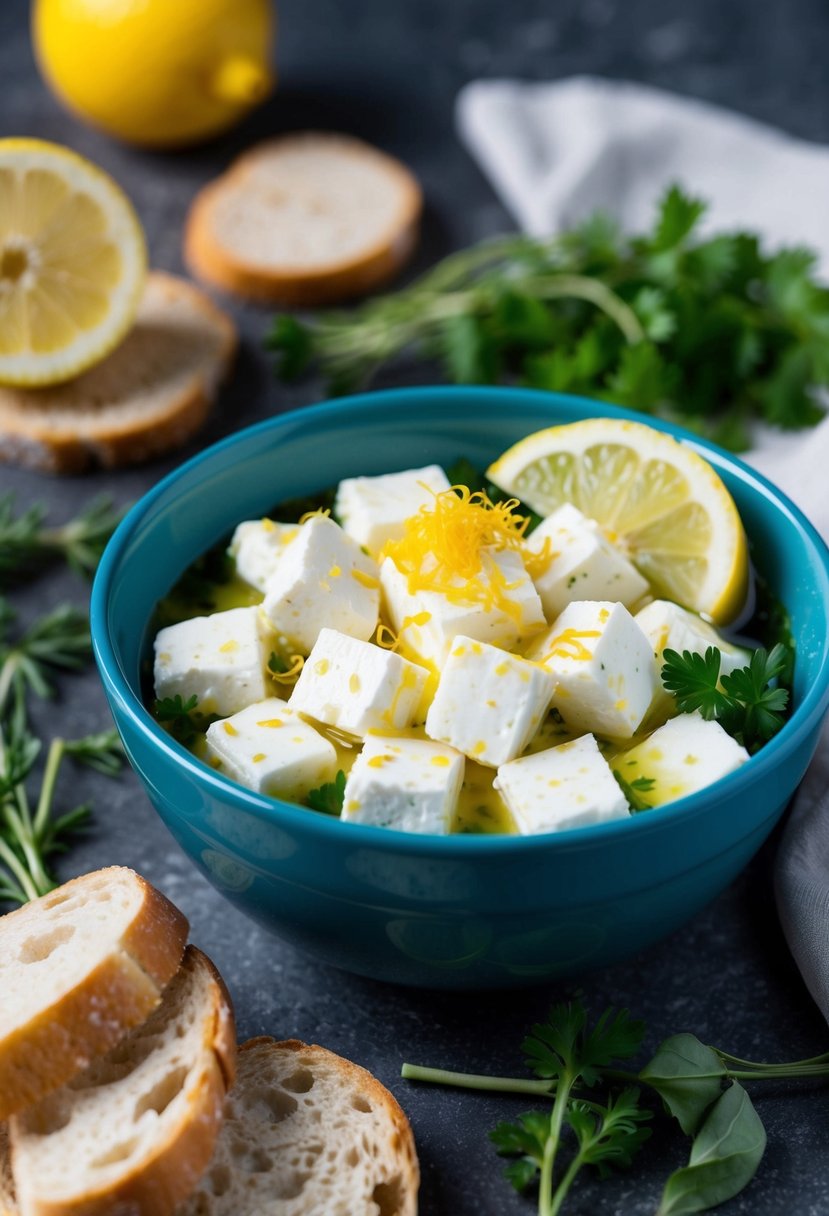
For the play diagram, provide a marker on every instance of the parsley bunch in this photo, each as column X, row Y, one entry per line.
column 599, row 1116
column 749, row 703
column 714, row 332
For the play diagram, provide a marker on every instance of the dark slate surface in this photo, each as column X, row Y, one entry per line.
column 389, row 70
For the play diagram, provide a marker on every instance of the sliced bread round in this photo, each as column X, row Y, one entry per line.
column 305, row 219
column 78, row 969
column 150, row 395
column 134, row 1133
column 307, row 1133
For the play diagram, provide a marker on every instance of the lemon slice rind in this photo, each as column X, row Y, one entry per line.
column 661, row 502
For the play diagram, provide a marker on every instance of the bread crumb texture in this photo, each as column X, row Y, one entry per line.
column 307, row 1133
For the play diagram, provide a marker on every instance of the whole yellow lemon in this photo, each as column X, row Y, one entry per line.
column 160, row 73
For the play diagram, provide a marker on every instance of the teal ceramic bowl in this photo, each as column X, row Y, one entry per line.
column 458, row 911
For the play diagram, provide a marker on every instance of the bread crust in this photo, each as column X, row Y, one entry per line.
column 60, row 1040
column 8, row 1202
column 29, row 435
column 341, row 279
column 170, row 1176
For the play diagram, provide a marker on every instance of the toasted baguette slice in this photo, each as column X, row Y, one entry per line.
column 307, row 1133
column 78, row 969
column 306, row 219
column 135, row 1132
column 150, row 395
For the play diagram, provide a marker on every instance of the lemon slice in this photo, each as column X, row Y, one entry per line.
column 72, row 263
column 661, row 503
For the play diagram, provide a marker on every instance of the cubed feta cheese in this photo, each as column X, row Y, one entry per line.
column 257, row 546
column 269, row 748
column 222, row 659
column 408, row 784
column 686, row 754
column 323, row 580
column 374, row 509
column 669, row 627
column 604, row 668
column 563, row 787
column 583, row 564
column 427, row 622
column 488, row 703
column 358, row 687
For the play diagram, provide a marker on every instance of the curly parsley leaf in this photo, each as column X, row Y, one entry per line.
column 177, row 716
column 564, row 1044
column 749, row 702
column 328, row 797
column 610, row 1135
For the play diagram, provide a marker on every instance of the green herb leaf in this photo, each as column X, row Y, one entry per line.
column 525, row 1139
column 565, row 1044
column 27, row 544
column 178, row 716
column 724, row 1157
column 102, row 751
column 634, row 790
column 678, row 215
column 688, row 1076
column 291, row 341
column 328, row 797
column 609, row 1135
column 694, row 681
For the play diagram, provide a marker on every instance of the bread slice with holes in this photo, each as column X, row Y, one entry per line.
column 78, row 969
column 307, row 1133
column 150, row 395
column 305, row 219
column 134, row 1133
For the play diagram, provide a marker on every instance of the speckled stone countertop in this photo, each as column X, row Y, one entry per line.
column 388, row 70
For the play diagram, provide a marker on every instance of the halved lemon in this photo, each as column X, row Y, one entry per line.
column 660, row 502
column 72, row 263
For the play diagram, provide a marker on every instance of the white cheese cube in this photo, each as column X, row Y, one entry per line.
column 583, row 564
column 257, row 546
column 604, row 668
column 323, row 580
column 270, row 749
column 669, row 627
column 686, row 754
column 427, row 622
column 374, row 509
column 408, row 784
column 489, row 703
column 222, row 659
column 563, row 787
column 358, row 687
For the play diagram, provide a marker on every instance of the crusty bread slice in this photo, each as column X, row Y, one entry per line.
column 150, row 395
column 78, row 969
column 8, row 1202
column 305, row 219
column 307, row 1133
column 133, row 1134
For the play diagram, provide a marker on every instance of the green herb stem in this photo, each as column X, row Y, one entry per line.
column 592, row 291
column 545, row 1195
column 566, row 1183
column 47, row 789
column 466, row 1080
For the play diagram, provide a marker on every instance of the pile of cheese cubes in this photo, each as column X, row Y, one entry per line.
column 466, row 680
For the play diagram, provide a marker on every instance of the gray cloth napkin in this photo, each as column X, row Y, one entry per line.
column 555, row 153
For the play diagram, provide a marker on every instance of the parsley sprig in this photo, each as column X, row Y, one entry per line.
column 750, row 702
column 717, row 332
column 599, row 1115
column 328, row 797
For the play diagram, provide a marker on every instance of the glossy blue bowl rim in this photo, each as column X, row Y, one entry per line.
column 327, row 829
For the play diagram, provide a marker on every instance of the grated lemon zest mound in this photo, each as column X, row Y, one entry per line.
column 448, row 545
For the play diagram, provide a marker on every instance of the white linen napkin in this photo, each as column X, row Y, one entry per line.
column 558, row 152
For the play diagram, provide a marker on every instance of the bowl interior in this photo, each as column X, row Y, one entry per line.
column 304, row 452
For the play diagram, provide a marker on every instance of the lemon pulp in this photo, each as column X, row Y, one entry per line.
column 72, row 261
column 660, row 502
